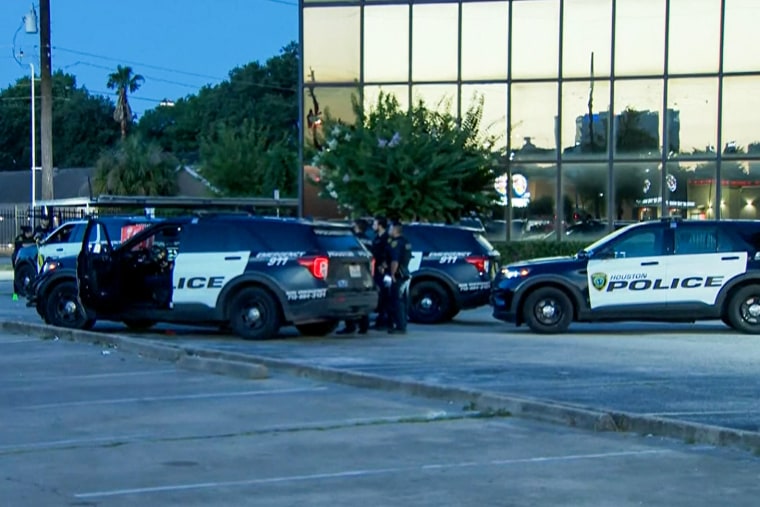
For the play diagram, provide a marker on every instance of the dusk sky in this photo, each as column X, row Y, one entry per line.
column 178, row 46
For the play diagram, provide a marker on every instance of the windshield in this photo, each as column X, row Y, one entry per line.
column 604, row 240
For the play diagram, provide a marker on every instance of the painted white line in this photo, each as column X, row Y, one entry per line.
column 203, row 396
column 56, row 378
column 11, row 342
column 361, row 473
column 706, row 412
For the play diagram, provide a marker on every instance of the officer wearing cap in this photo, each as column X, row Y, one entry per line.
column 360, row 231
column 399, row 254
column 22, row 240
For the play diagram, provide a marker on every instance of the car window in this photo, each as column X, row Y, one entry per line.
column 61, row 235
column 216, row 236
column 638, row 243
column 695, row 239
column 166, row 238
column 331, row 240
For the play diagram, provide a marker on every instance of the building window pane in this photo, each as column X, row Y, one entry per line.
column 585, row 189
column 534, row 113
column 690, row 53
column 494, row 120
column 740, row 49
column 441, row 98
column 331, row 43
column 330, row 101
column 372, row 93
column 693, row 113
column 639, row 37
column 741, row 110
column 740, row 188
column 485, row 40
column 638, row 118
column 386, row 43
column 435, row 41
column 587, row 29
column 535, row 39
column 582, row 138
column 534, row 200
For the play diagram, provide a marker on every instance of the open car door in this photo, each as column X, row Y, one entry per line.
column 98, row 271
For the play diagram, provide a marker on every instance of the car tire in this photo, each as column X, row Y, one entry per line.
column 254, row 314
column 548, row 310
column 23, row 276
column 429, row 303
column 317, row 328
column 63, row 309
column 743, row 312
column 139, row 324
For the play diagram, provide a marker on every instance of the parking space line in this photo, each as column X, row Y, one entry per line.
column 27, row 340
column 201, row 396
column 364, row 473
column 705, row 412
column 87, row 376
column 57, row 444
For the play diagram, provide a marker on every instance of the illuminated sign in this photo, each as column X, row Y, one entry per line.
column 520, row 195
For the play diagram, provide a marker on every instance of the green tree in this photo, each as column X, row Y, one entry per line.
column 82, row 124
column 136, row 167
column 249, row 161
column 413, row 164
column 124, row 81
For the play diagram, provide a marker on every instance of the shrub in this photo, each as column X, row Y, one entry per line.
column 523, row 250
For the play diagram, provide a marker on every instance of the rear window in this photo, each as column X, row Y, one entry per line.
column 332, row 240
column 446, row 239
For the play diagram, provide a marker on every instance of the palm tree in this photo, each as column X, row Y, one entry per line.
column 124, row 81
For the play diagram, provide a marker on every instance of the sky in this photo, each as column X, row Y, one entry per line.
column 178, row 46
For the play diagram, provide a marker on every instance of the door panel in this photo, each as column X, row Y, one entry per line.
column 200, row 277
column 627, row 281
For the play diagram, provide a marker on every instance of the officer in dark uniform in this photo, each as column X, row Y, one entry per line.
column 379, row 249
column 360, row 231
column 25, row 238
column 400, row 253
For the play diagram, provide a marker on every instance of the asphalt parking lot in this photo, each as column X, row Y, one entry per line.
column 84, row 425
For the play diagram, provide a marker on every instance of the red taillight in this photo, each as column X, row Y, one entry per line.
column 372, row 267
column 480, row 263
column 317, row 266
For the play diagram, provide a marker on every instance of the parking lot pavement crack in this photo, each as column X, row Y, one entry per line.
column 329, row 425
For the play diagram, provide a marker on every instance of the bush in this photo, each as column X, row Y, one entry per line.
column 523, row 250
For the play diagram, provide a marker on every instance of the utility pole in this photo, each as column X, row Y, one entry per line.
column 46, row 85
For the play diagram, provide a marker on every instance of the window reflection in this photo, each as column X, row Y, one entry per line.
column 534, row 195
column 740, row 189
column 326, row 101
column 585, row 187
column 372, row 93
column 585, row 119
column 331, row 43
column 534, row 112
column 435, row 42
column 386, row 43
column 494, row 121
column 693, row 110
column 587, row 29
column 535, row 39
column 739, row 53
column 690, row 189
column 694, row 32
column 639, row 37
column 638, row 120
column 441, row 98
column 485, row 37
column 741, row 110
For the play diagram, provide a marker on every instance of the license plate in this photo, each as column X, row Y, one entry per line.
column 355, row 270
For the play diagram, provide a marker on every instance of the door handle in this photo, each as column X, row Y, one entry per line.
column 61, row 250
column 583, row 272
column 730, row 258
column 233, row 258
column 650, row 263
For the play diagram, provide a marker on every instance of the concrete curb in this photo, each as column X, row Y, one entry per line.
column 237, row 364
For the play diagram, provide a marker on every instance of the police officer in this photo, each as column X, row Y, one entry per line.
column 25, row 238
column 360, row 231
column 379, row 249
column 400, row 253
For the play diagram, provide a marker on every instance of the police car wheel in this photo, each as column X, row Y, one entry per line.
column 317, row 328
column 429, row 303
column 62, row 308
column 744, row 310
column 22, row 278
column 254, row 315
column 548, row 310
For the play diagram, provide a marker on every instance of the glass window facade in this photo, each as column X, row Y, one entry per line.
column 612, row 110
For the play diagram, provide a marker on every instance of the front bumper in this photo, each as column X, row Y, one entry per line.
column 502, row 301
column 340, row 306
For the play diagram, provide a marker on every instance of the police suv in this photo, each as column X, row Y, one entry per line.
column 251, row 274
column 452, row 268
column 667, row 270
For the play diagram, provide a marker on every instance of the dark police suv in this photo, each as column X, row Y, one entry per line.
column 252, row 274
column 667, row 270
column 452, row 268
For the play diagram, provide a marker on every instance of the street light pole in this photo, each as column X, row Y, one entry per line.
column 34, row 147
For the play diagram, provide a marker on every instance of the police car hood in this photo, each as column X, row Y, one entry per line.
column 544, row 261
